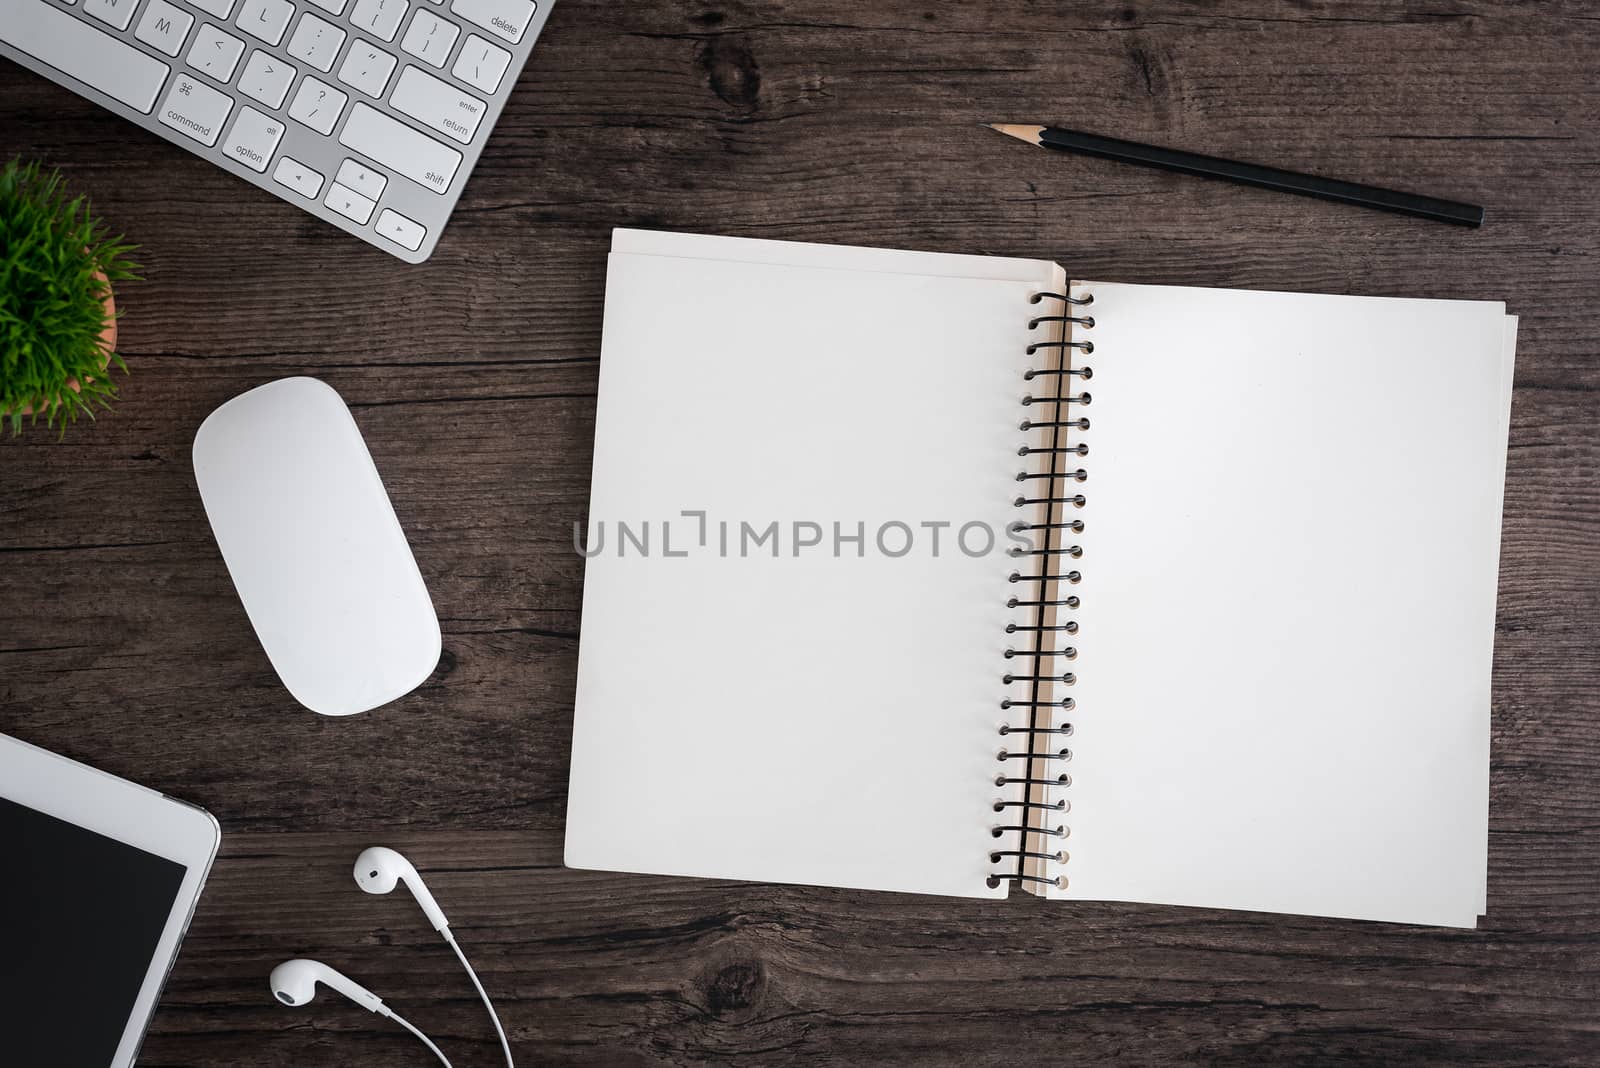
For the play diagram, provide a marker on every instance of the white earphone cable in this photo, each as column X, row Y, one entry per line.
column 426, row 1041
column 501, row 1031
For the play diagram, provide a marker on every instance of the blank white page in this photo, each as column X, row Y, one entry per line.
column 807, row 718
column 1289, row 579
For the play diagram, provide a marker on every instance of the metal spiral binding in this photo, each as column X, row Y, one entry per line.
column 1035, row 770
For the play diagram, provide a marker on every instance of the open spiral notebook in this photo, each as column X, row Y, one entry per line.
column 946, row 574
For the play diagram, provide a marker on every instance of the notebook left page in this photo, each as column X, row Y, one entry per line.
column 794, row 606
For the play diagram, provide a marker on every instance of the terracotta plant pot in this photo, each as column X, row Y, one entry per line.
column 108, row 342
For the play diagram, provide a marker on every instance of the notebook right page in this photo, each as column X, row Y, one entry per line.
column 1292, row 528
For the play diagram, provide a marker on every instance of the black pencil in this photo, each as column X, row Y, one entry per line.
column 1366, row 196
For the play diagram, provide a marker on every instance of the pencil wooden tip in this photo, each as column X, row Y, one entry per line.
column 1029, row 134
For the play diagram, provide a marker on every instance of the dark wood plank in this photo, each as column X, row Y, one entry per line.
column 473, row 377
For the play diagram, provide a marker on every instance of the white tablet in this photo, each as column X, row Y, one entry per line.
column 98, row 878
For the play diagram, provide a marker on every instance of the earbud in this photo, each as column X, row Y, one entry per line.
column 379, row 868
column 294, row 982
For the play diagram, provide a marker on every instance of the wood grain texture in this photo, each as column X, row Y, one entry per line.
column 473, row 377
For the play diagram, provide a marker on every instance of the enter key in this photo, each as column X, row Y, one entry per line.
column 437, row 104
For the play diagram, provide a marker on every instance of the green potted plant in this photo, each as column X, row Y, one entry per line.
column 58, row 322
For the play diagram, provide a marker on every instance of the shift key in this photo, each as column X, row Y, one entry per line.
column 396, row 147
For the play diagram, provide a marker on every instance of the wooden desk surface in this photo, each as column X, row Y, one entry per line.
column 473, row 377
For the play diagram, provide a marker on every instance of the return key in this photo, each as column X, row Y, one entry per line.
column 437, row 104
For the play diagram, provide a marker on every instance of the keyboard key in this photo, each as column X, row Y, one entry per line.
column 215, row 54
column 437, row 104
column 116, row 13
column 393, row 145
column 349, row 203
column 363, row 179
column 481, row 64
column 217, row 8
column 367, row 67
column 332, row 7
column 254, row 138
column 266, row 78
column 430, row 38
column 317, row 105
column 265, row 19
column 81, row 51
column 195, row 109
column 401, row 230
column 297, row 176
column 317, row 42
column 164, row 27
column 506, row 18
column 381, row 18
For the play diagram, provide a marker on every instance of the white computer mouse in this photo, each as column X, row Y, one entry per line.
column 314, row 548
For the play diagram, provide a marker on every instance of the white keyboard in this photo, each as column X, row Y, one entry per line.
column 367, row 113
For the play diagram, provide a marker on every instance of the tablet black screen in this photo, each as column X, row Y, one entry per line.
column 80, row 916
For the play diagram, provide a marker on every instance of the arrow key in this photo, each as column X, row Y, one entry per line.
column 364, row 180
column 297, row 176
column 349, row 203
column 266, row 78
column 399, row 229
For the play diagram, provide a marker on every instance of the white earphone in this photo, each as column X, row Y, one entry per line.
column 378, row 870
column 294, row 982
